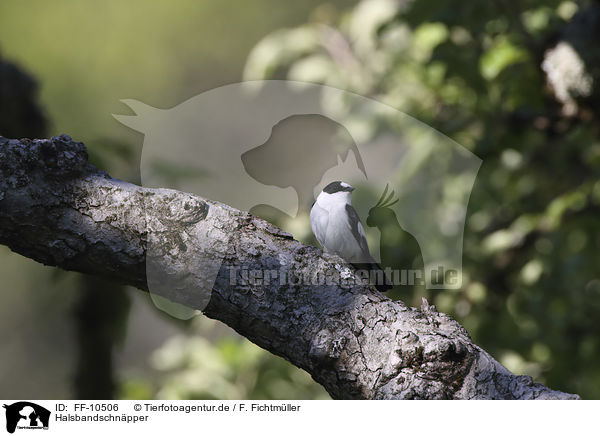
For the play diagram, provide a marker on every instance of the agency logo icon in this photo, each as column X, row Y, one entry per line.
column 269, row 148
column 25, row 415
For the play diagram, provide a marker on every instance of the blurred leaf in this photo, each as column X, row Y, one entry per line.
column 426, row 37
column 499, row 56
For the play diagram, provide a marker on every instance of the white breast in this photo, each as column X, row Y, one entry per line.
column 329, row 222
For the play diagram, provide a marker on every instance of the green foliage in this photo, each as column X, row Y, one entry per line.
column 472, row 70
column 208, row 363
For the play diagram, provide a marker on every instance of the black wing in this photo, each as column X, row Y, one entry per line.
column 357, row 231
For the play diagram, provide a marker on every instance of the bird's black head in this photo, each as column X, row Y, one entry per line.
column 337, row 186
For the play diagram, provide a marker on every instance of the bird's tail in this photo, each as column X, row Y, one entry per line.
column 377, row 277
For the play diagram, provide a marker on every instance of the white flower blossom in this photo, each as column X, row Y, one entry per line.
column 566, row 75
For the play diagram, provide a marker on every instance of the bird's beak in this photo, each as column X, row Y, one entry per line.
column 352, row 188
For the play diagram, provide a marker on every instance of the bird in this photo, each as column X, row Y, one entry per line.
column 337, row 227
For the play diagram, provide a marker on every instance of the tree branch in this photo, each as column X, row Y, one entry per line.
column 59, row 210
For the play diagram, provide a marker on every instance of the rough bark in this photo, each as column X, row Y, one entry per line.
column 59, row 210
